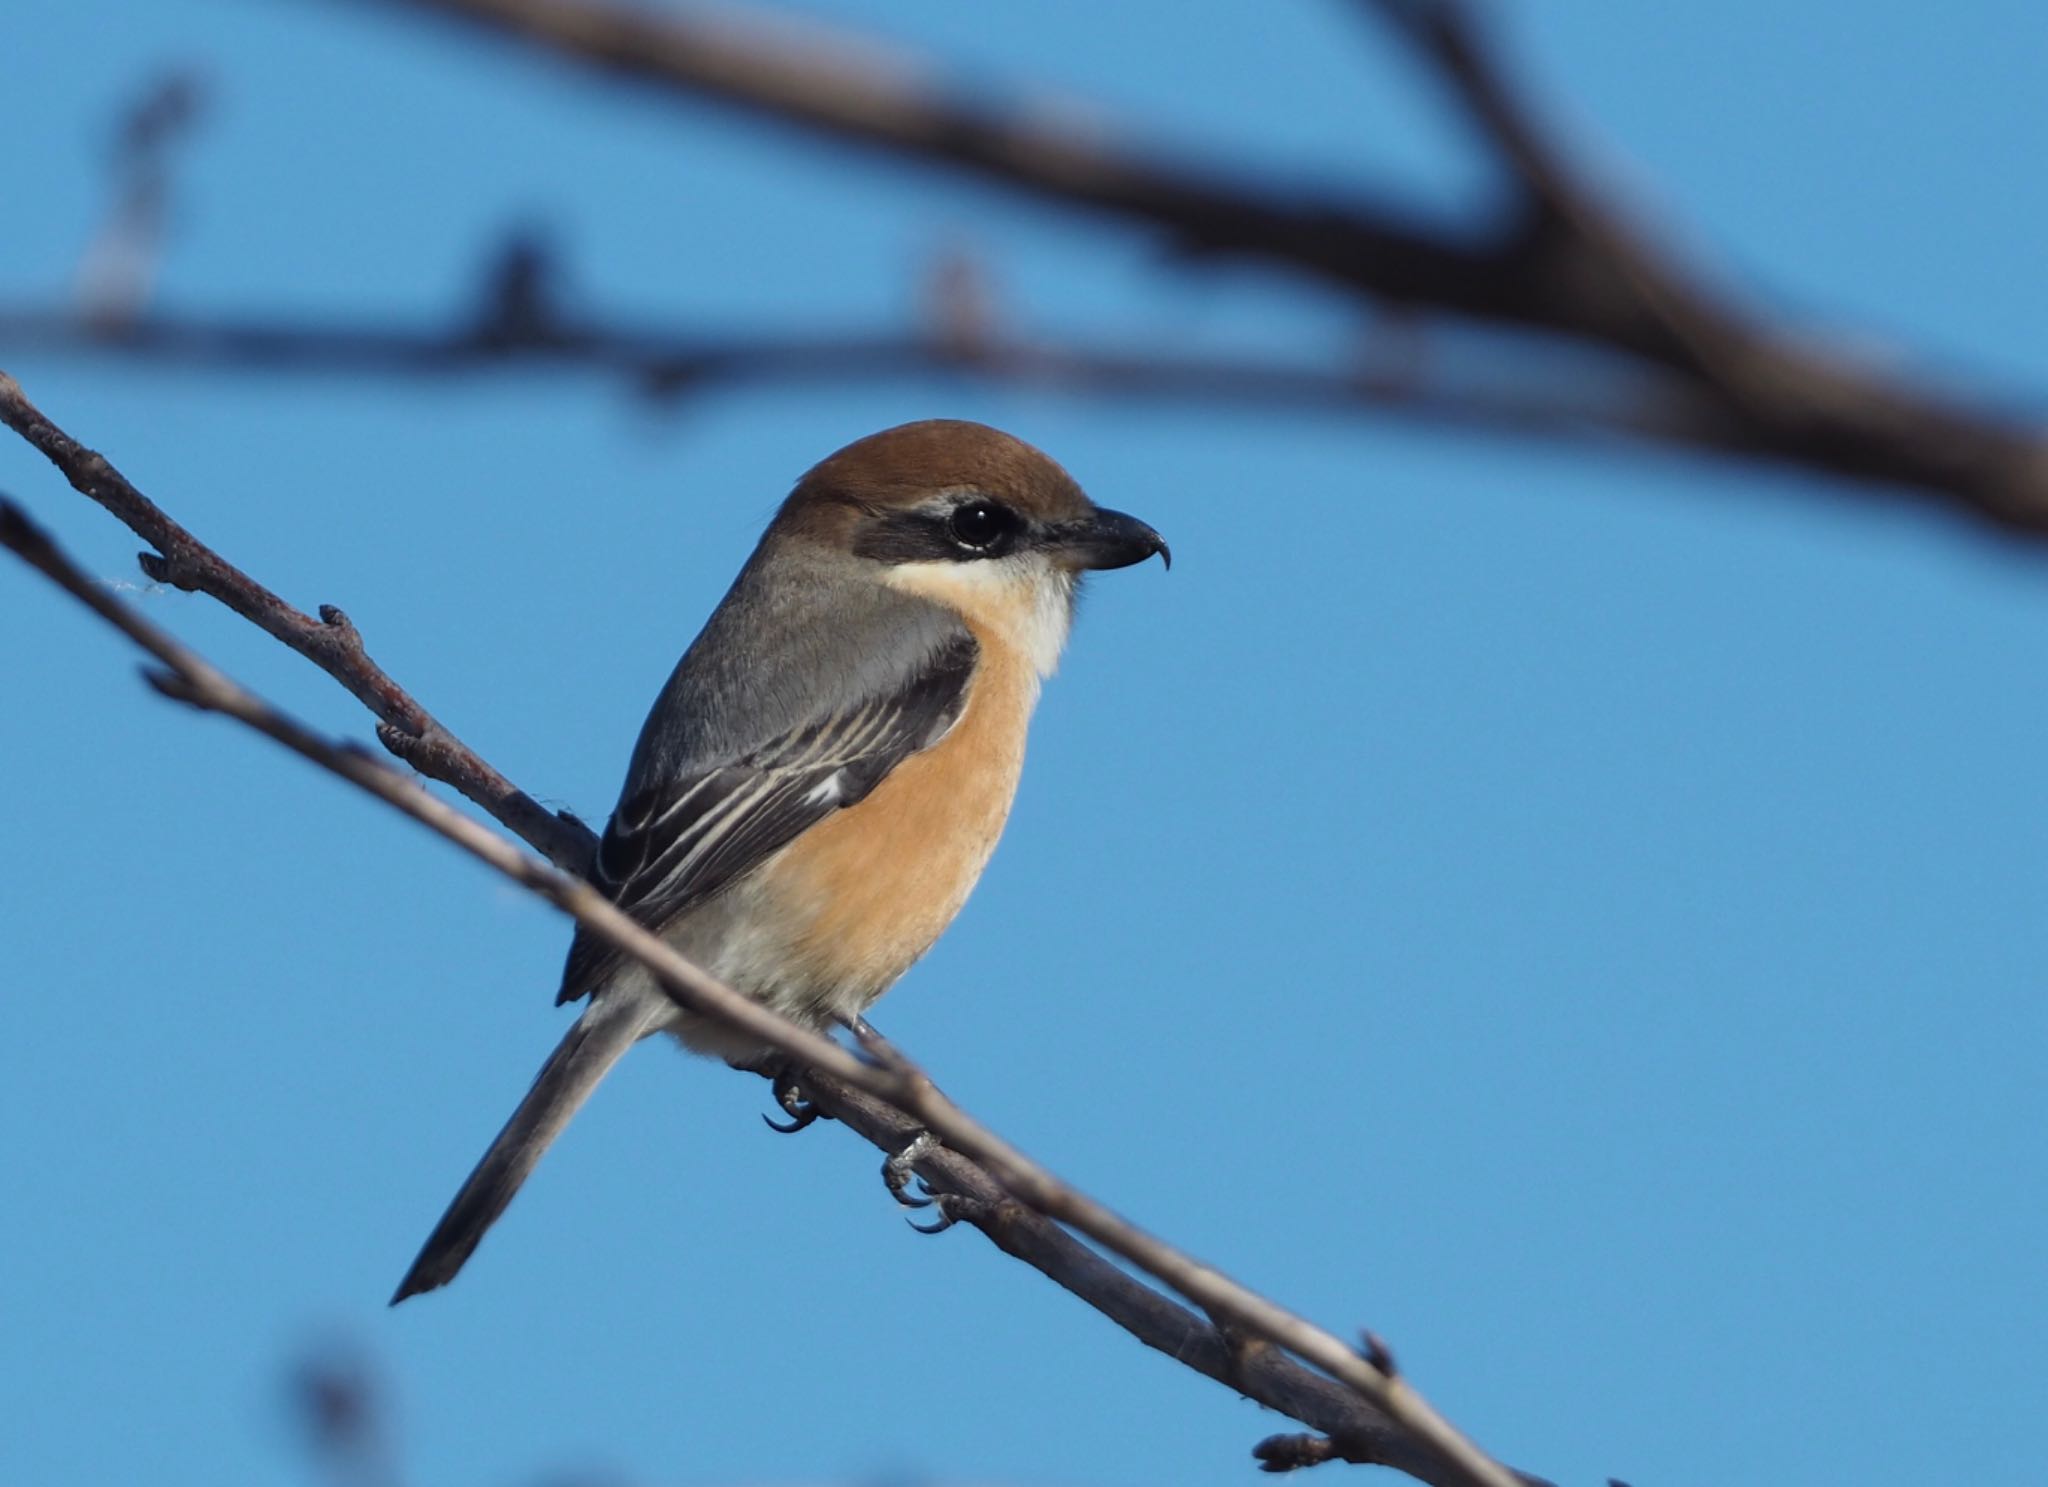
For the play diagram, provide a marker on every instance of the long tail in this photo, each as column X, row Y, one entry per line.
column 608, row 1027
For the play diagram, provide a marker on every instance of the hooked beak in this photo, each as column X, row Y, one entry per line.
column 1107, row 539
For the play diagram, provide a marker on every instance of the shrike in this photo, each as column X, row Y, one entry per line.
column 823, row 778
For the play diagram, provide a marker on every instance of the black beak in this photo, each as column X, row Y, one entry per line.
column 1107, row 539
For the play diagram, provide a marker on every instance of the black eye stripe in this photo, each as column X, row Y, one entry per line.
column 974, row 527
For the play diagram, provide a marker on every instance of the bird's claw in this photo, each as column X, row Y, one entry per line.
column 900, row 1170
column 790, row 1097
column 951, row 1208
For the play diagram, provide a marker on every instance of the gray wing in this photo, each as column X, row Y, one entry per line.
column 675, row 842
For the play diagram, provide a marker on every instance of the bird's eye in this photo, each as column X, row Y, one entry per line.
column 981, row 524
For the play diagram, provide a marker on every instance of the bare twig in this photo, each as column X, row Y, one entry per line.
column 1559, row 260
column 1266, row 1375
column 1787, row 393
column 1290, row 1453
column 668, row 363
column 330, row 642
column 1561, row 212
column 1385, row 1410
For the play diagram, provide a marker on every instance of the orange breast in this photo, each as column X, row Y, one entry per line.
column 873, row 886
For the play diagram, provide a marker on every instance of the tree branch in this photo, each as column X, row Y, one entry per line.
column 1793, row 398
column 330, row 642
column 1369, row 1412
column 1389, row 378
column 1559, row 260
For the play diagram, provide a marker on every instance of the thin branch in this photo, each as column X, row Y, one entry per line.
column 1386, row 1419
column 1773, row 379
column 1557, row 260
column 330, row 642
column 672, row 363
column 969, row 1194
column 1658, row 412
column 1556, row 203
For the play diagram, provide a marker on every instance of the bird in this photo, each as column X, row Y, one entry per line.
column 821, row 781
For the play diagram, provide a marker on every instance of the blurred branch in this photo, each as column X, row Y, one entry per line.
column 1386, row 380
column 1558, row 259
column 345, row 1420
column 119, row 269
column 1369, row 1412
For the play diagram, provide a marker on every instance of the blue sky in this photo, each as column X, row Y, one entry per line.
column 1576, row 914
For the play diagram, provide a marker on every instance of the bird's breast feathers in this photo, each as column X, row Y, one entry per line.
column 866, row 891
column 825, row 923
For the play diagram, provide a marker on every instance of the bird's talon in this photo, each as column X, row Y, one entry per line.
column 900, row 1170
column 800, row 1110
column 950, row 1211
column 897, row 1176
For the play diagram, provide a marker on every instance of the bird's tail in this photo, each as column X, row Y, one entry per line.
column 608, row 1027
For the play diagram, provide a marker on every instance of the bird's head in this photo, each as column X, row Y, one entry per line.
column 971, row 518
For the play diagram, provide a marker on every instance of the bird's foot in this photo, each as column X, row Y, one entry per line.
column 801, row 1112
column 949, row 1209
column 899, row 1171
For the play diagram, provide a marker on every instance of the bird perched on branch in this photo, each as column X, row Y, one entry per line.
column 823, row 778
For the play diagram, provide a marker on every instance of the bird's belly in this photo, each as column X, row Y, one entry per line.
column 828, row 924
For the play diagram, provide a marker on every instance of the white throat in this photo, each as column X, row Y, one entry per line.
column 1026, row 600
